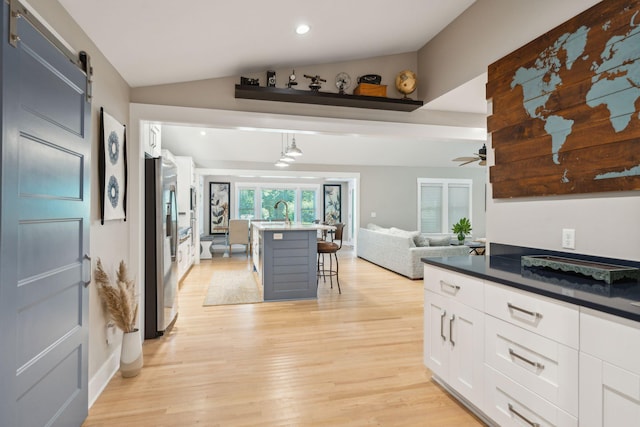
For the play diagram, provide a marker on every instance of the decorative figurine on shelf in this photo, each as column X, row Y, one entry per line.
column 343, row 81
column 292, row 79
column 246, row 81
column 271, row 78
column 372, row 79
column 315, row 84
column 406, row 82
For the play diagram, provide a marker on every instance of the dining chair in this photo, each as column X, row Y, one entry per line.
column 239, row 234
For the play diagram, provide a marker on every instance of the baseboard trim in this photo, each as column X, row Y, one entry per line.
column 476, row 411
column 100, row 380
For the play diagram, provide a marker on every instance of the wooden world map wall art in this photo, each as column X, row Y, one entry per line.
column 566, row 107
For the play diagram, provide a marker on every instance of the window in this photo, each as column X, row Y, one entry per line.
column 257, row 201
column 308, row 206
column 246, row 203
column 269, row 198
column 442, row 202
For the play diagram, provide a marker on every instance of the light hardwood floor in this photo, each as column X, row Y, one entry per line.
column 353, row 359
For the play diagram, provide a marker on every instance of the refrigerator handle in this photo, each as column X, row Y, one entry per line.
column 173, row 217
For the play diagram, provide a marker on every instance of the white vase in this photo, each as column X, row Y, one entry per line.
column 131, row 354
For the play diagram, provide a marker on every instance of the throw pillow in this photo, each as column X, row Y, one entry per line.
column 421, row 240
column 439, row 241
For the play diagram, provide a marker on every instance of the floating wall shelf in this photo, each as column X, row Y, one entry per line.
column 326, row 98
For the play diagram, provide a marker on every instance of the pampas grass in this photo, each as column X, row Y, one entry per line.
column 119, row 298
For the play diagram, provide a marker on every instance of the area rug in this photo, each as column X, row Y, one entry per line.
column 233, row 287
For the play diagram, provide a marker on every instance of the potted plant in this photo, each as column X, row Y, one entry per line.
column 462, row 228
column 122, row 305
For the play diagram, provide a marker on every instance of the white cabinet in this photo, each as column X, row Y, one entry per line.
column 531, row 358
column 454, row 337
column 255, row 252
column 151, row 139
column 513, row 405
column 184, row 258
column 550, row 318
column 609, row 370
column 522, row 359
column 543, row 366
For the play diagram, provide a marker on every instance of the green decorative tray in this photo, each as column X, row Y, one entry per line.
column 607, row 273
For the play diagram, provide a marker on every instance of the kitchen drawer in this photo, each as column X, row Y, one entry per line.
column 610, row 338
column 460, row 287
column 550, row 318
column 543, row 366
column 509, row 404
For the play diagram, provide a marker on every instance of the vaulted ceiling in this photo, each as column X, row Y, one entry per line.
column 162, row 41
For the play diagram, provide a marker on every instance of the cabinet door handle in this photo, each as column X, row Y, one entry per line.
column 455, row 288
column 453, row 317
column 442, row 316
column 524, row 359
column 522, row 417
column 522, row 310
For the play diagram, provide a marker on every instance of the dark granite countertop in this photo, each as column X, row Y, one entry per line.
column 615, row 299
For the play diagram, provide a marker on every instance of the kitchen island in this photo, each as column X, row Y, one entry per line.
column 285, row 258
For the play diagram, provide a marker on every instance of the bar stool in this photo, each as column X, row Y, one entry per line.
column 331, row 248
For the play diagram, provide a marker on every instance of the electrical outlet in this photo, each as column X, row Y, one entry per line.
column 373, row 214
column 569, row 238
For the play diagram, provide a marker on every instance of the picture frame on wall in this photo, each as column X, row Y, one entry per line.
column 332, row 196
column 219, row 202
column 112, row 167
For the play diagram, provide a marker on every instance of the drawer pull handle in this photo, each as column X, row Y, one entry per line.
column 444, row 313
column 453, row 317
column 522, row 310
column 524, row 359
column 450, row 285
column 522, row 417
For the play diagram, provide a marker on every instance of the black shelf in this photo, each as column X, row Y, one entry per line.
column 326, row 98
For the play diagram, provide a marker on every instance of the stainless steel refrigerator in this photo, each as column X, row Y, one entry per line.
column 161, row 246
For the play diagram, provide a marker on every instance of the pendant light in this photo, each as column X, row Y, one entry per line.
column 284, row 160
column 293, row 151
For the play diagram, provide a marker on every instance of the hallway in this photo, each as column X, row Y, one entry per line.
column 353, row 359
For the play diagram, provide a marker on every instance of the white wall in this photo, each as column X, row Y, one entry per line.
column 606, row 224
column 391, row 192
column 109, row 242
column 484, row 33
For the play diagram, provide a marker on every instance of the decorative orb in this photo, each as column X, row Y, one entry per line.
column 406, row 82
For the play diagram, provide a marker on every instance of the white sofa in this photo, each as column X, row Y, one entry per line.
column 396, row 249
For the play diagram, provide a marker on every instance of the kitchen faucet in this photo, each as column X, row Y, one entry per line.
column 286, row 210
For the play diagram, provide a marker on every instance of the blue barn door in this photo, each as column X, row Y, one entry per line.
column 44, row 230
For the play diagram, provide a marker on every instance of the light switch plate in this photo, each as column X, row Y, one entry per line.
column 569, row 238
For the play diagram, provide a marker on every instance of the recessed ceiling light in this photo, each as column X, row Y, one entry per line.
column 203, row 133
column 302, row 29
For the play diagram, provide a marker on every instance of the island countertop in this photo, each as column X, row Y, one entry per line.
column 294, row 226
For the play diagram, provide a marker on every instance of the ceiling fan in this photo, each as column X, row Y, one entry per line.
column 480, row 155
